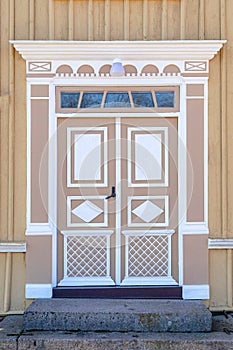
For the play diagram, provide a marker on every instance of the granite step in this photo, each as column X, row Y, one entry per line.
column 117, row 315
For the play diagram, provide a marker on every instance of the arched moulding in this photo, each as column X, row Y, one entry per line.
column 130, row 70
column 105, row 70
column 86, row 70
column 64, row 70
column 150, row 69
column 171, row 69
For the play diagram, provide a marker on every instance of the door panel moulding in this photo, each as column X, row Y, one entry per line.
column 191, row 58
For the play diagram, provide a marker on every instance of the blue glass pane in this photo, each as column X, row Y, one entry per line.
column 69, row 99
column 165, row 99
column 117, row 100
column 92, row 100
column 142, row 99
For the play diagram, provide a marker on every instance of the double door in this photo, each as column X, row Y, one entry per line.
column 117, row 201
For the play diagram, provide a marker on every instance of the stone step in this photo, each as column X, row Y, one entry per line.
column 117, row 315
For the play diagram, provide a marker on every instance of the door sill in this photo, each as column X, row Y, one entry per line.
column 119, row 292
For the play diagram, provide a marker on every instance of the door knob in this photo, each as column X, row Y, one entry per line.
column 113, row 194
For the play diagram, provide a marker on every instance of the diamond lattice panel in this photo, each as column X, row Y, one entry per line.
column 148, row 256
column 86, row 256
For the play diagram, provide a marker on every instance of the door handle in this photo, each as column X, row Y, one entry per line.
column 113, row 194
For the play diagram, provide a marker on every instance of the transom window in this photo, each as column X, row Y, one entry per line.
column 80, row 99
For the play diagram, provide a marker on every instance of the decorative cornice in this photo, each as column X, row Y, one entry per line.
column 12, row 247
column 220, row 243
column 126, row 50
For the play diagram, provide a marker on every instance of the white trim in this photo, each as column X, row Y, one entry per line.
column 195, row 97
column 37, row 229
column 148, row 281
column 201, row 291
column 206, row 150
column 119, row 114
column 127, row 50
column 182, row 180
column 52, row 180
column 147, row 233
column 12, row 247
column 220, row 243
column 28, row 204
column 87, row 281
column 87, row 233
column 118, row 200
column 38, row 291
column 195, row 228
column 40, row 98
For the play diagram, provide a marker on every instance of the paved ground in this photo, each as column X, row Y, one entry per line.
column 13, row 337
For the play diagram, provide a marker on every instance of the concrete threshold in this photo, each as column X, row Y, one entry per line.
column 118, row 315
column 13, row 337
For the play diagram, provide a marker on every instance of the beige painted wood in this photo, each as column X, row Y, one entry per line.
column 114, row 20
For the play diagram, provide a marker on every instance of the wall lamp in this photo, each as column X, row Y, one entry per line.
column 117, row 69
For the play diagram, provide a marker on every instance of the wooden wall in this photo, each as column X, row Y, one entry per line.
column 113, row 20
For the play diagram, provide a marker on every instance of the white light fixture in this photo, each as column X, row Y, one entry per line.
column 117, row 69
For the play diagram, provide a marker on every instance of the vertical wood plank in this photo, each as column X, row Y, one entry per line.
column 164, row 19
column 32, row 20
column 4, row 63
column 20, row 150
column 51, row 19
column 99, row 20
column 11, row 130
column 21, row 19
column 173, row 20
column 7, row 283
column 224, row 165
column 190, row 11
column 117, row 14
column 80, row 20
column 126, row 19
column 107, row 20
column 215, row 220
column 90, row 20
column 201, row 34
column 183, row 19
column 212, row 19
column 41, row 26
column 136, row 20
column 145, row 20
column 61, row 20
column 227, row 54
column 71, row 20
column 154, row 20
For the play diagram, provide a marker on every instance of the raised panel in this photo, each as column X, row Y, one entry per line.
column 148, row 156
column 87, row 211
column 87, row 157
column 148, row 211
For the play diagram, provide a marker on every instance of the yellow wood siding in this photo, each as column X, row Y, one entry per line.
column 113, row 20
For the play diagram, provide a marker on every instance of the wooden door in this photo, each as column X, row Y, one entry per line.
column 129, row 238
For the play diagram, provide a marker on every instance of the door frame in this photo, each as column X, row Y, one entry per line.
column 182, row 196
column 182, row 63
